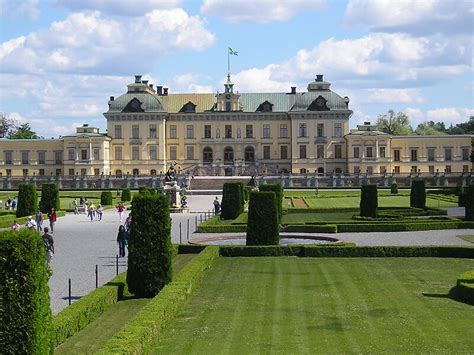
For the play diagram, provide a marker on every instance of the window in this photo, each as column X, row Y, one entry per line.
column 382, row 152
column 228, row 106
column 8, row 158
column 152, row 130
column 96, row 171
column 118, row 153
column 283, row 131
column 9, row 172
column 173, row 133
column 118, row 131
column 383, row 170
column 173, row 153
column 303, row 132
column 71, row 154
column 25, row 172
column 135, row 172
column 356, row 170
column 303, row 171
column 414, row 154
column 83, row 154
column 356, row 152
column 284, row 152
column 370, row 170
column 448, row 154
column 228, row 131
column 448, row 169
column 465, row 153
column 431, row 154
column 41, row 172
column 302, row 151
column 153, row 152
column 135, row 153
column 135, row 131
column 337, row 151
column 190, row 152
column 25, row 157
column 465, row 168
column 266, row 131
column 414, row 169
column 320, row 130
column 320, row 151
column 249, row 154
column 337, row 129
column 207, row 155
column 70, row 172
column 396, row 155
column 41, row 157
column 96, row 153
column 189, row 131
column 207, row 131
column 118, row 172
column 228, row 155
column 369, row 152
column 266, row 152
column 153, row 172
column 58, row 157
column 249, row 131
column 431, row 169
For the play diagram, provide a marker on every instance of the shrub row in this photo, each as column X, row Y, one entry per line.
column 232, row 200
column 126, row 195
column 348, row 251
column 278, row 190
column 49, row 198
column 403, row 226
column 106, row 198
column 27, row 200
column 311, row 228
column 140, row 333
column 233, row 228
column 469, row 203
column 81, row 313
column 263, row 227
column 418, row 194
column 368, row 201
column 464, row 289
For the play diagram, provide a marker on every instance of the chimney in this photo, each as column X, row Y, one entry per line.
column 138, row 79
column 319, row 77
column 159, row 90
column 293, row 89
column 165, row 91
column 145, row 82
column 366, row 123
column 151, row 86
column 112, row 98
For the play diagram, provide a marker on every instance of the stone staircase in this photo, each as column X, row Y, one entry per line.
column 213, row 184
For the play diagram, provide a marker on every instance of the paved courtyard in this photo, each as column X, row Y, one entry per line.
column 81, row 245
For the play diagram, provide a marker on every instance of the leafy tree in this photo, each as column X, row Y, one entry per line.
column 430, row 128
column 23, row 132
column 7, row 125
column 395, row 123
column 462, row 128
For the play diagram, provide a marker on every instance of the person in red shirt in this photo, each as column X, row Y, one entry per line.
column 120, row 209
column 52, row 219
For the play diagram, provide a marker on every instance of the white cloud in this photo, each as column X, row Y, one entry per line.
column 392, row 96
column 260, row 80
column 450, row 115
column 87, row 43
column 20, row 8
column 415, row 114
column 427, row 16
column 260, row 11
column 121, row 7
column 191, row 82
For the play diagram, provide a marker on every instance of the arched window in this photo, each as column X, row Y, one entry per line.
column 228, row 155
column 152, row 172
column 207, row 155
column 135, row 172
column 249, row 154
column 118, row 173
column 338, row 170
column 320, row 170
column 303, row 171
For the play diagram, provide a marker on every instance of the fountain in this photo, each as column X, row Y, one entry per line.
column 285, row 239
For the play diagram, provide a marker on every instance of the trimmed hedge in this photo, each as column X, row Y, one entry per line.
column 348, row 251
column 308, row 228
column 394, row 189
column 395, row 226
column 262, row 226
column 464, row 289
column 26, row 321
column 368, row 201
column 142, row 332
column 126, row 195
column 278, row 190
column 233, row 228
column 149, row 245
column 418, row 194
column 27, row 200
column 81, row 313
column 232, row 200
column 469, row 203
column 49, row 198
column 106, row 198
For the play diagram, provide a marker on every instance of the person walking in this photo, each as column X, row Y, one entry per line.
column 99, row 212
column 14, row 203
column 91, row 213
column 49, row 245
column 52, row 219
column 121, row 240
column 120, row 209
column 217, row 206
column 74, row 207
column 39, row 221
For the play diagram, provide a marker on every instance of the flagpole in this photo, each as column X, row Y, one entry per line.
column 228, row 61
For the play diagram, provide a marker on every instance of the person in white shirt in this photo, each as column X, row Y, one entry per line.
column 30, row 223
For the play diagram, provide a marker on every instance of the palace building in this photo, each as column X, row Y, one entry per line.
column 232, row 133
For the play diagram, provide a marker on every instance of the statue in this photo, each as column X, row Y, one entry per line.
column 171, row 173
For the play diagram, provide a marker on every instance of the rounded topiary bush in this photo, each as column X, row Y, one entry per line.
column 469, row 203
column 262, row 225
column 278, row 190
column 27, row 200
column 368, row 201
column 106, row 198
column 232, row 200
column 49, row 198
column 149, row 245
column 394, row 189
column 126, row 195
column 418, row 194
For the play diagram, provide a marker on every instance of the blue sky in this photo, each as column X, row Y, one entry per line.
column 60, row 60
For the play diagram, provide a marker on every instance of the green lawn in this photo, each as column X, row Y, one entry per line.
column 291, row 305
column 467, row 238
column 96, row 334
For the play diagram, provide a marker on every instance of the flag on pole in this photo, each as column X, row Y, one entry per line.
column 232, row 52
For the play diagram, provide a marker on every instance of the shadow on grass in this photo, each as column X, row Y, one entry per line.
column 74, row 298
column 452, row 295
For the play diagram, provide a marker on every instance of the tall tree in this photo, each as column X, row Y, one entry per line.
column 7, row 125
column 23, row 132
column 430, row 128
column 463, row 128
column 395, row 123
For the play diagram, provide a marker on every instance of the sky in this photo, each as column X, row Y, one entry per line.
column 60, row 60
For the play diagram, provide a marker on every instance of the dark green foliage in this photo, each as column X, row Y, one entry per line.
column 311, row 228
column 26, row 322
column 394, row 189
column 149, row 245
column 232, row 200
column 247, row 191
column 262, row 225
column 278, row 190
column 106, row 198
column 396, row 226
column 368, row 201
column 126, row 195
column 49, row 198
column 464, row 289
column 143, row 190
column 418, row 194
column 461, row 199
column 469, row 203
column 27, row 200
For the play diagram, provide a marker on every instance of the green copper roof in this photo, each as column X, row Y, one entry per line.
column 173, row 103
column 150, row 102
column 304, row 99
column 281, row 102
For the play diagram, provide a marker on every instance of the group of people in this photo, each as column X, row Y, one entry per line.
column 10, row 204
column 92, row 211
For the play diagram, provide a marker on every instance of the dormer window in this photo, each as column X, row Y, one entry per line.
column 134, row 106
column 265, row 107
column 188, row 108
column 320, row 104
